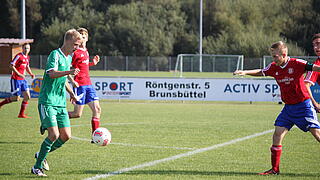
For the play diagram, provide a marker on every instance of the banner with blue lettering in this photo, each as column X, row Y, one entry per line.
column 195, row 89
column 188, row 89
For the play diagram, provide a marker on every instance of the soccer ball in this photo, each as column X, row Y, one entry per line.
column 101, row 136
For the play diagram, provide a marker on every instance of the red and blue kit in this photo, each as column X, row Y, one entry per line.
column 20, row 62
column 298, row 109
column 85, row 91
column 80, row 59
column 290, row 79
column 19, row 84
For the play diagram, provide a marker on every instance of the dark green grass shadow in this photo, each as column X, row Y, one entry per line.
column 19, row 176
column 93, row 172
column 7, row 142
column 7, row 174
column 213, row 173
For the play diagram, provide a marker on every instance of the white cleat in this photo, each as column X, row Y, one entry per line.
column 38, row 172
column 45, row 164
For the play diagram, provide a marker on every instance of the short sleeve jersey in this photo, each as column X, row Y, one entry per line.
column 80, row 59
column 312, row 76
column 290, row 79
column 53, row 91
column 20, row 62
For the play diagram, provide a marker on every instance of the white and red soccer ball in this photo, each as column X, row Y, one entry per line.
column 101, row 136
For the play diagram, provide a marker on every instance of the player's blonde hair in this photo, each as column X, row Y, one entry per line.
column 82, row 30
column 280, row 46
column 72, row 34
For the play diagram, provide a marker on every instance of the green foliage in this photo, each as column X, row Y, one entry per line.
column 303, row 22
column 168, row 27
column 144, row 29
column 248, row 28
column 69, row 16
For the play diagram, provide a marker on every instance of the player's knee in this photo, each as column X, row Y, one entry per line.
column 277, row 138
column 316, row 133
column 66, row 137
column 26, row 98
column 53, row 137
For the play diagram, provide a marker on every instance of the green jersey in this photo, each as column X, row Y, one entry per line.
column 53, row 91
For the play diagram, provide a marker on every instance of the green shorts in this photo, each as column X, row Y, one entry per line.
column 51, row 116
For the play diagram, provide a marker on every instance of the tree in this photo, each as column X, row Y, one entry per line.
column 248, row 28
column 70, row 15
column 11, row 24
column 144, row 28
column 304, row 21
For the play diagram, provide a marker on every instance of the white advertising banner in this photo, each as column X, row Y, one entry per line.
column 194, row 89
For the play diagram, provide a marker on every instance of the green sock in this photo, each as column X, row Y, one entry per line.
column 44, row 150
column 57, row 144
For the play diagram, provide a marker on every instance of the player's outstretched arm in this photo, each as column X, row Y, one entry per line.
column 56, row 74
column 254, row 72
column 95, row 60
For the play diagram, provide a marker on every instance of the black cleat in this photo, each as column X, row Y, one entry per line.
column 270, row 172
column 42, row 130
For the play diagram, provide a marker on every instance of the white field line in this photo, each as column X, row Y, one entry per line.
column 190, row 153
column 111, row 124
column 139, row 145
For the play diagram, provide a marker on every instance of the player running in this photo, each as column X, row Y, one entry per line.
column 84, row 89
column 52, row 100
column 311, row 76
column 19, row 86
column 298, row 109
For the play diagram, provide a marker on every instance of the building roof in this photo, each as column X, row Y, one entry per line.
column 11, row 41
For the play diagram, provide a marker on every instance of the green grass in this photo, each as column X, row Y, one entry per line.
column 152, row 74
column 166, row 124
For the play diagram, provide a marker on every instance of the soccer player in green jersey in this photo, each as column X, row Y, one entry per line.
column 52, row 99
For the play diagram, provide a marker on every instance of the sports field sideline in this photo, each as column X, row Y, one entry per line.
column 162, row 140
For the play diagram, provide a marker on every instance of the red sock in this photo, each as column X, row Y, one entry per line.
column 24, row 105
column 5, row 101
column 95, row 123
column 275, row 156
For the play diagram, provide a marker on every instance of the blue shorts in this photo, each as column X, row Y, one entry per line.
column 303, row 115
column 17, row 86
column 86, row 94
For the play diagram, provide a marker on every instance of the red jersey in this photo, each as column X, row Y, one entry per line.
column 20, row 62
column 312, row 76
column 290, row 79
column 80, row 59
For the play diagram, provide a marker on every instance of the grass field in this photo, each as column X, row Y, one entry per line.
column 146, row 131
